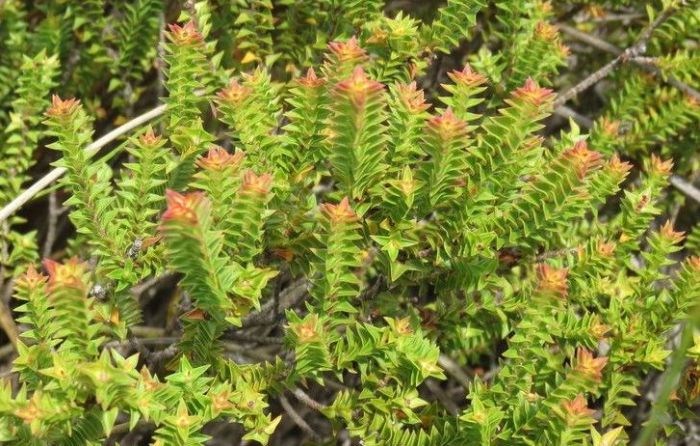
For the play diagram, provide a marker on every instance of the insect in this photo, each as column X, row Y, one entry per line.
column 134, row 249
column 98, row 292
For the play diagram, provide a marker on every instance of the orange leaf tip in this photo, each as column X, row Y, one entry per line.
column 533, row 94
column 578, row 407
column 185, row 34
column 669, row 234
column 234, row 93
column 661, row 167
column 256, row 184
column 149, row 138
column 583, row 158
column 412, row 97
column 358, row 87
column 218, row 159
column 310, row 80
column 31, row 278
column 552, row 280
column 339, row 213
column 182, row 207
column 62, row 107
column 467, row 77
column 588, row 365
column 68, row 274
column 447, row 126
column 347, row 51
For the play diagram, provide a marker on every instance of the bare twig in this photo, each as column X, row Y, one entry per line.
column 589, row 39
column 242, row 337
column 296, row 418
column 7, row 323
column 441, row 396
column 91, row 150
column 687, row 188
column 618, row 18
column 306, row 399
column 586, row 83
column 566, row 112
column 629, row 54
column 146, row 290
column 454, row 369
column 641, row 62
column 9, row 289
column 6, row 350
column 123, row 428
column 54, row 212
column 136, row 342
column 291, row 296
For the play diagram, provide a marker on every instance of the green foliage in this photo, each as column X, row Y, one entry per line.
column 368, row 231
column 20, row 140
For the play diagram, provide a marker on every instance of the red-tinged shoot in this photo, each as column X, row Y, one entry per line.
column 311, row 80
column 589, row 366
column 583, row 159
column 220, row 401
column 564, row 51
column 609, row 127
column 69, row 274
column 339, row 213
column 186, row 34
column 31, row 279
column 546, row 31
column 256, row 184
column 182, row 207
column 668, row 234
column 349, row 51
column 618, row 168
column 218, row 159
column 61, row 108
column 412, row 98
column 577, row 409
column 234, row 93
column 552, row 281
column 533, row 94
column 605, row 249
column 467, row 77
column 358, row 87
column 660, row 167
column 307, row 330
column 694, row 263
column 150, row 139
column 447, row 126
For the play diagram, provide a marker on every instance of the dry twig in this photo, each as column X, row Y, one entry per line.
column 630, row 54
column 91, row 150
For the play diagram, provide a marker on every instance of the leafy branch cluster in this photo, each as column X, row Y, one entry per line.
column 342, row 199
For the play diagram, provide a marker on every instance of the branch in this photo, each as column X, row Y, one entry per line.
column 585, row 84
column 641, row 62
column 687, row 188
column 91, row 150
column 288, row 298
column 253, row 338
column 441, row 396
column 566, row 112
column 306, row 399
column 629, row 54
column 8, row 324
column 298, row 420
column 54, row 212
column 454, row 369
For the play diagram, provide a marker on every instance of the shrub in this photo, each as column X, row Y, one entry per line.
column 427, row 250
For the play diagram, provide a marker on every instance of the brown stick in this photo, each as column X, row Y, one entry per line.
column 629, row 54
column 642, row 62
